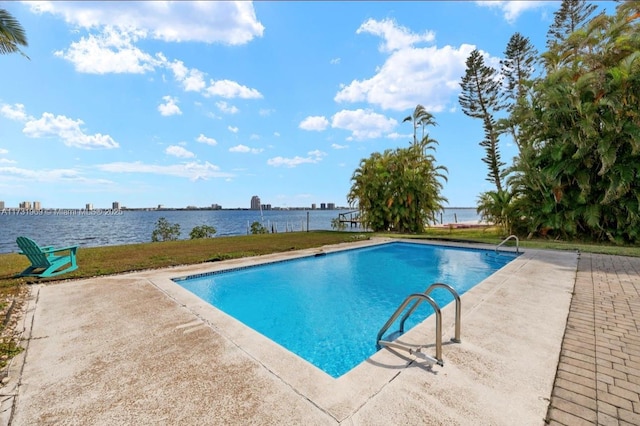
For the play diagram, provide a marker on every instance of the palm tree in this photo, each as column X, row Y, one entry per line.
column 497, row 207
column 12, row 34
column 420, row 118
column 399, row 190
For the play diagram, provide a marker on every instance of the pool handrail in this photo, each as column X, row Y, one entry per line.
column 510, row 237
column 401, row 308
column 456, row 296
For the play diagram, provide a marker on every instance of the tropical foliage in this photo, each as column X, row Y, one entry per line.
column 399, row 190
column 12, row 35
column 577, row 127
column 586, row 131
column 497, row 207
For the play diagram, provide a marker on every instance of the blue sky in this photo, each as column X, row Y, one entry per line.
column 196, row 103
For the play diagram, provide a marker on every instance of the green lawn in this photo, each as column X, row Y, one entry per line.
column 108, row 260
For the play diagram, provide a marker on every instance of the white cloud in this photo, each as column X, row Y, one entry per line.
column 312, row 158
column 410, row 75
column 169, row 107
column 254, row 136
column 14, row 112
column 395, row 37
column 112, row 51
column 5, row 160
column 239, row 148
column 334, row 61
column 231, row 89
column 226, row 108
column 513, row 9
column 336, row 146
column 227, row 22
column 204, row 139
column 396, row 135
column 193, row 171
column 60, row 126
column 114, row 29
column 178, row 151
column 245, row 149
column 317, row 123
column 233, row 129
column 363, row 124
column 68, row 130
column 192, row 79
column 317, row 153
column 276, row 134
column 266, row 112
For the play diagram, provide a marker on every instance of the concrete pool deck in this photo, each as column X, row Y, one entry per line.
column 138, row 349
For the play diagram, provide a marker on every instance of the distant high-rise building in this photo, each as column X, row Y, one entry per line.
column 25, row 205
column 331, row 206
column 216, row 207
column 37, row 205
column 1, row 205
column 265, row 206
column 313, row 206
column 255, row 203
column 88, row 206
column 323, row 206
column 115, row 205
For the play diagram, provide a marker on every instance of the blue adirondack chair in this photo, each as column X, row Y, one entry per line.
column 46, row 261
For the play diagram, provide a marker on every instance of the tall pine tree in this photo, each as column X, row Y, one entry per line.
column 480, row 98
column 571, row 16
column 518, row 67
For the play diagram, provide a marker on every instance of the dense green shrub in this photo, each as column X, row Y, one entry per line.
column 202, row 231
column 258, row 228
column 165, row 231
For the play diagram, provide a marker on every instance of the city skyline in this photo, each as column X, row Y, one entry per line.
column 116, row 205
column 196, row 103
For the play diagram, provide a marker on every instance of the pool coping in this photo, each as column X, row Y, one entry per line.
column 342, row 397
column 504, row 367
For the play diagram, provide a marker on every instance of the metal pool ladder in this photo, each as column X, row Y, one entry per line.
column 418, row 298
column 510, row 237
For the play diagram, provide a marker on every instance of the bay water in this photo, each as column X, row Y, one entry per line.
column 91, row 228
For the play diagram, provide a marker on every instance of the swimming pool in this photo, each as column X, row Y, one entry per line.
column 328, row 309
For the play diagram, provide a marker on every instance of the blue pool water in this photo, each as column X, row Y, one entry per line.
column 328, row 309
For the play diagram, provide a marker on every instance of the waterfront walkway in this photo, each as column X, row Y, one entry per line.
column 598, row 378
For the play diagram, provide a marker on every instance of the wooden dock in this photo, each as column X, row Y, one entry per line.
column 351, row 218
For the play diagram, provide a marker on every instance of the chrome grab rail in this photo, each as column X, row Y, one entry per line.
column 455, row 339
column 396, row 314
column 510, row 237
